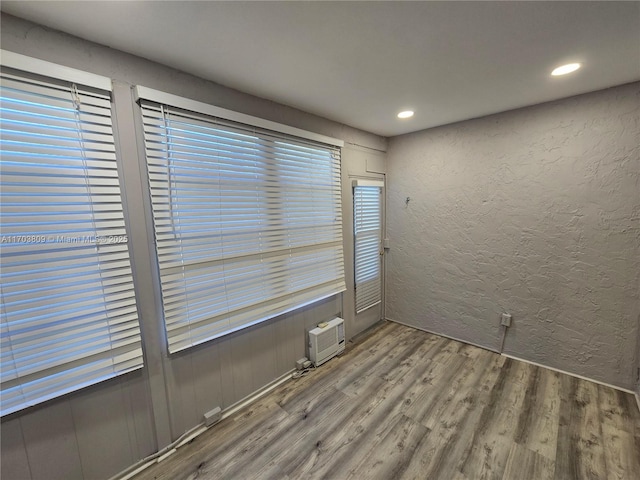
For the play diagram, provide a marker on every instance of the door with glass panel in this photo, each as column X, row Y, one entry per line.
column 368, row 250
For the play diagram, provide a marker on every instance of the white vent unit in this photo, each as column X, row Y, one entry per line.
column 326, row 341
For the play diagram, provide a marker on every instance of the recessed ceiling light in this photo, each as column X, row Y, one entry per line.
column 564, row 69
column 406, row 114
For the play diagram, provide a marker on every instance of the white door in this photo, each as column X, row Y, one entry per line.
column 368, row 251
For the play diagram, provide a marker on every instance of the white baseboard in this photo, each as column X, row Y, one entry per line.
column 227, row 412
column 484, row 347
column 198, row 430
column 523, row 360
column 581, row 377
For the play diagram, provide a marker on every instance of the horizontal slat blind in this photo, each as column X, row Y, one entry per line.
column 69, row 316
column 367, row 230
column 248, row 222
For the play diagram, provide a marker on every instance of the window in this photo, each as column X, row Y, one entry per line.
column 247, row 220
column 367, row 228
column 69, row 316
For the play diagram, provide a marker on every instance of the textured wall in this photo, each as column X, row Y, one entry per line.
column 534, row 212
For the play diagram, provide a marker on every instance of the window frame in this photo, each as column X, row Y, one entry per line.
column 27, row 70
column 145, row 97
column 367, row 292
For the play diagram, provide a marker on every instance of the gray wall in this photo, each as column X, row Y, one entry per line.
column 101, row 430
column 638, row 364
column 534, row 212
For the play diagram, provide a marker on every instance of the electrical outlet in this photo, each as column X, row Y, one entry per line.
column 300, row 363
column 505, row 320
column 213, row 416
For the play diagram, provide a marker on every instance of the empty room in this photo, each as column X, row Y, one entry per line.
column 368, row 240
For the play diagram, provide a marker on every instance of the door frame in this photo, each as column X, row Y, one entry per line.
column 361, row 321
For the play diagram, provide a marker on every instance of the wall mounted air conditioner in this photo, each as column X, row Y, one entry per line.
column 326, row 341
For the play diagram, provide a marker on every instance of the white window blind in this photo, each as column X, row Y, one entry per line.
column 368, row 233
column 69, row 316
column 248, row 222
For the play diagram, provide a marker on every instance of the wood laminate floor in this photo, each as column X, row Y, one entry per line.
column 405, row 404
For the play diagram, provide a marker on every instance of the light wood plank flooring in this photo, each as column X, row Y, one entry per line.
column 405, row 404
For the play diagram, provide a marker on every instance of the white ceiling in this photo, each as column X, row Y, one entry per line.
column 360, row 63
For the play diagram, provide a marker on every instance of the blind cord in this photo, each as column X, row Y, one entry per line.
column 77, row 104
